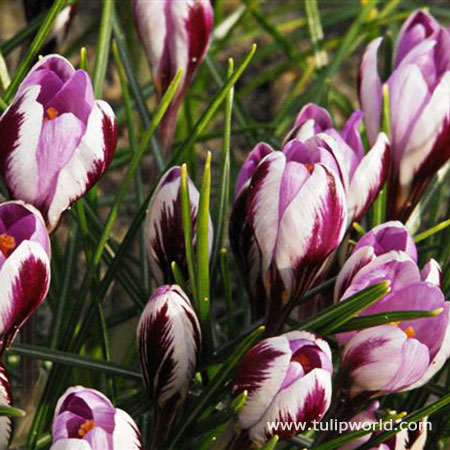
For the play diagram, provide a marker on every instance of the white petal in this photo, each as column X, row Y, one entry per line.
column 126, row 434
column 5, row 400
column 71, row 444
column 432, row 273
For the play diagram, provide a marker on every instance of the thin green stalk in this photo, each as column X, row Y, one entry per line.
column 202, row 253
column 432, row 231
column 225, row 271
column 34, row 48
column 315, row 32
column 102, row 51
column 5, row 80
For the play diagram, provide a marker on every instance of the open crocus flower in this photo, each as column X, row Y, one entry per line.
column 5, row 400
column 57, row 140
column 164, row 227
column 362, row 174
column 400, row 355
column 288, row 217
column 288, row 379
column 86, row 420
column 175, row 34
column 169, row 340
column 419, row 92
column 24, row 267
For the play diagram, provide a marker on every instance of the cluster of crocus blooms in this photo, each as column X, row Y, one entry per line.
column 24, row 266
column 169, row 340
column 175, row 35
column 416, row 349
column 419, row 92
column 288, row 379
column 86, row 420
column 57, row 140
column 289, row 215
column 164, row 227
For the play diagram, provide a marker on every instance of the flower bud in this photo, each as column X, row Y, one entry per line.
column 419, row 113
column 57, row 140
column 24, row 267
column 168, row 340
column 174, row 35
column 86, row 420
column 164, row 227
column 288, row 379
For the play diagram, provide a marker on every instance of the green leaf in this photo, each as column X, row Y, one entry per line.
column 9, row 411
column 103, row 44
column 34, row 48
column 316, row 32
column 372, row 320
column 335, row 316
column 225, row 271
column 216, row 384
column 4, row 74
column 178, row 276
column 238, row 403
column 271, row 444
column 202, row 250
column 432, row 231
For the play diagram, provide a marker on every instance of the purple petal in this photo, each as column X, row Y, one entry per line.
column 370, row 91
column 99, row 439
column 351, row 135
column 432, row 273
column 71, row 444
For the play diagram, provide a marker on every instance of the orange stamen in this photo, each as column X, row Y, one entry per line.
column 304, row 361
column 310, row 167
column 7, row 244
column 409, row 332
column 52, row 113
column 86, row 427
column 396, row 324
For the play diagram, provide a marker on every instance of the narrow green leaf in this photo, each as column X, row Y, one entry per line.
column 186, row 214
column 5, row 80
column 372, row 320
column 34, row 48
column 335, row 316
column 271, row 444
column 84, row 64
column 216, row 385
column 9, row 411
column 103, row 44
column 178, row 276
column 225, row 271
column 238, row 403
column 359, row 229
column 433, row 230
column 316, row 32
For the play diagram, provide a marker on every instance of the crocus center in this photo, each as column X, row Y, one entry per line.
column 51, row 113
column 304, row 361
column 7, row 244
column 86, row 427
column 310, row 167
column 410, row 332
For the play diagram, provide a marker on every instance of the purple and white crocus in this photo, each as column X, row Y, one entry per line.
column 288, row 379
column 86, row 420
column 175, row 35
column 168, row 340
column 419, row 92
column 57, row 140
column 362, row 174
column 164, row 227
column 401, row 355
column 5, row 400
column 289, row 215
column 24, row 267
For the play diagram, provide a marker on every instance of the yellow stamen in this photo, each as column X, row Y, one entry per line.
column 396, row 324
column 310, row 167
column 7, row 244
column 304, row 361
column 52, row 113
column 86, row 427
column 409, row 332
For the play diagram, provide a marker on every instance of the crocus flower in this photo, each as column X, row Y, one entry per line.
column 288, row 379
column 174, row 34
column 57, row 140
column 401, row 355
column 289, row 215
column 24, row 266
column 164, row 227
column 168, row 339
column 419, row 92
column 362, row 174
column 5, row 400
column 86, row 420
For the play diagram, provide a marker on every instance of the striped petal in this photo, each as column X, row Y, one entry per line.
column 25, row 280
column 168, row 338
column 5, row 400
column 432, row 273
column 126, row 433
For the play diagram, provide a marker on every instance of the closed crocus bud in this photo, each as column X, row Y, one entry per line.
column 288, row 379
column 175, row 34
column 86, row 420
column 5, row 400
column 57, row 140
column 168, row 339
column 362, row 174
column 289, row 216
column 164, row 227
column 24, row 267
column 419, row 92
column 401, row 355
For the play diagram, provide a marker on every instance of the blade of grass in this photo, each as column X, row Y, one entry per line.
column 9, row 411
column 34, row 48
column 202, row 253
column 225, row 271
column 316, row 32
column 432, row 231
column 5, row 80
